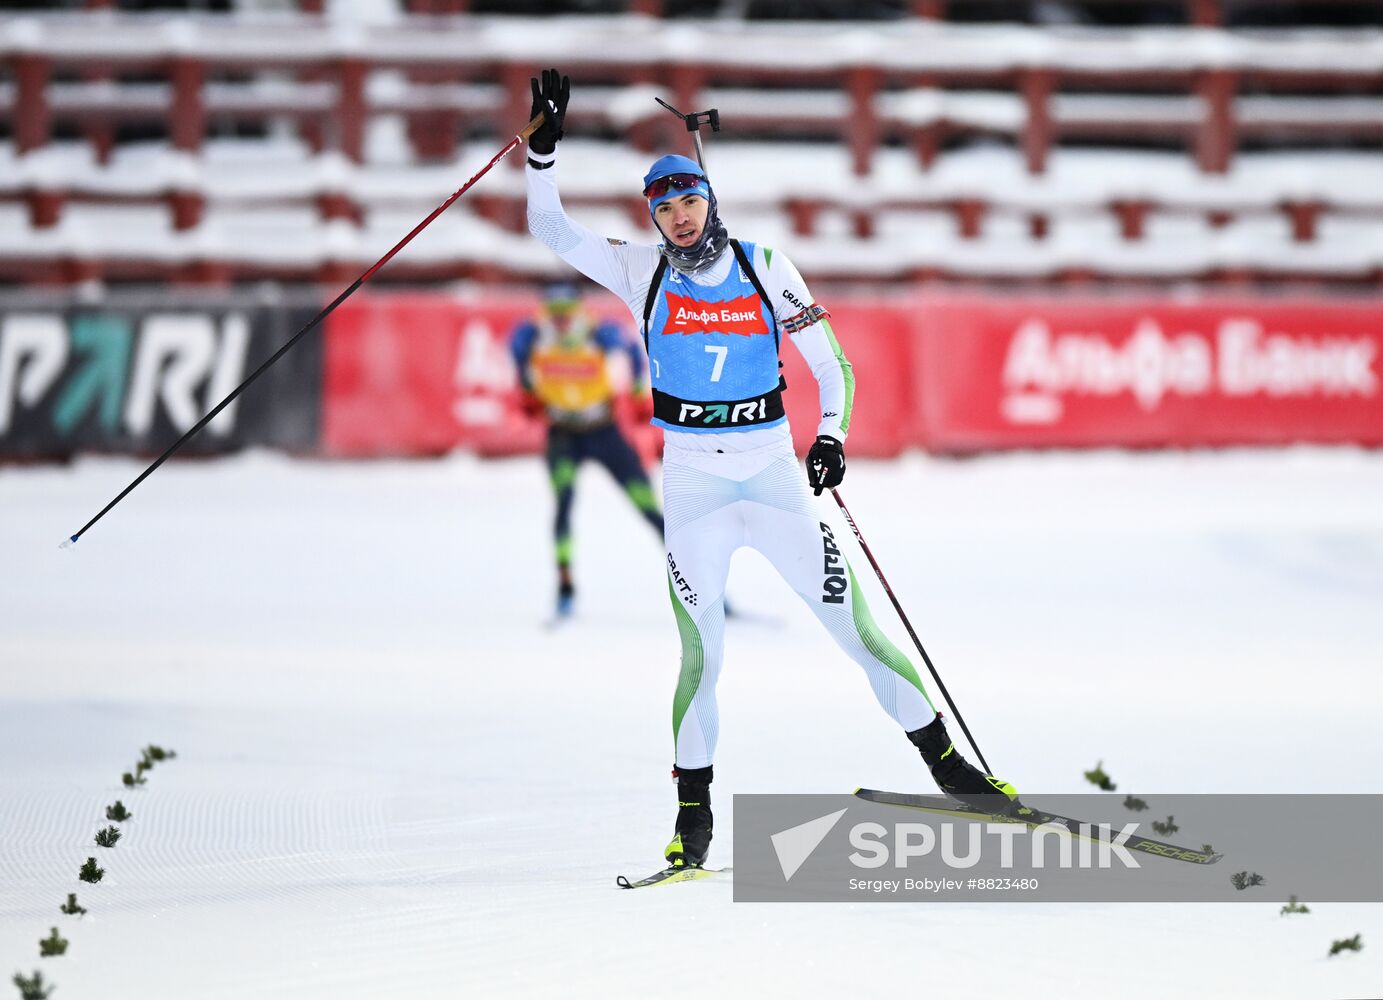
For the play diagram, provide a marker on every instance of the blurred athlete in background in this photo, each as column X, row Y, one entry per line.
column 713, row 312
column 563, row 358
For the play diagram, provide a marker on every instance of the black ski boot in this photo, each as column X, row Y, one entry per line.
column 692, row 839
column 566, row 592
column 956, row 776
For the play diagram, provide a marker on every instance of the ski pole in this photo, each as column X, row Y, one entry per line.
column 192, row 431
column 694, row 121
column 908, row 625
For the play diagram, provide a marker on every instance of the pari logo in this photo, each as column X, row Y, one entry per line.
column 958, row 845
column 742, row 316
column 749, row 411
column 1241, row 358
column 118, row 372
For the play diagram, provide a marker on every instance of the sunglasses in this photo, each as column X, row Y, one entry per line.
column 676, row 182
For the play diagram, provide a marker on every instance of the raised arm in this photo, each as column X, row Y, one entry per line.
column 619, row 266
column 623, row 268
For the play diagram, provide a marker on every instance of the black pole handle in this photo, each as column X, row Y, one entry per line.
column 695, row 119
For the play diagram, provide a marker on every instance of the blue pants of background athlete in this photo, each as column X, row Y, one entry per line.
column 567, row 449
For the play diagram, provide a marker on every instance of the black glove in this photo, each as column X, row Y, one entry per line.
column 549, row 100
column 825, row 464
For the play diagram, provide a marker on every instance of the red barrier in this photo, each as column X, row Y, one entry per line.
column 879, row 344
column 422, row 373
column 995, row 373
column 412, row 374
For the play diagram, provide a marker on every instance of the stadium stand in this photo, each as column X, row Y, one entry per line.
column 216, row 148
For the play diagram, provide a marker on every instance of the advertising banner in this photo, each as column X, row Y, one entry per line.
column 420, row 374
column 879, row 343
column 133, row 377
column 423, row 374
column 1002, row 373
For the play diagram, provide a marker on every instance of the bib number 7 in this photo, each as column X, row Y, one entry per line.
column 719, row 366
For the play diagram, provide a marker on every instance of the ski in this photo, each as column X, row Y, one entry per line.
column 670, row 875
column 1034, row 817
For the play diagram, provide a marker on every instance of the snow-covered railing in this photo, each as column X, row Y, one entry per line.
column 779, row 175
column 94, row 241
column 924, row 116
column 367, row 120
column 264, row 212
column 855, row 62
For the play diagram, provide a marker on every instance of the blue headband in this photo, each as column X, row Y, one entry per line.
column 714, row 238
column 674, row 164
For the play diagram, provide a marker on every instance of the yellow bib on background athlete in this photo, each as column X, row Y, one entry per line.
column 569, row 372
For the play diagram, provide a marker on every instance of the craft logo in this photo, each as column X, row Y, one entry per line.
column 1241, row 359
column 680, row 581
column 742, row 316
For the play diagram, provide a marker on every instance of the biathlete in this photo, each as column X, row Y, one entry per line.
column 714, row 312
column 562, row 356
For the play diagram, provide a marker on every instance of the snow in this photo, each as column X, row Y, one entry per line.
column 1351, row 112
column 827, row 107
column 259, row 207
column 1002, row 112
column 747, row 173
column 262, row 196
column 388, row 92
column 1110, row 110
column 392, row 781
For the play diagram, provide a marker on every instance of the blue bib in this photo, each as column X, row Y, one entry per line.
column 713, row 354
